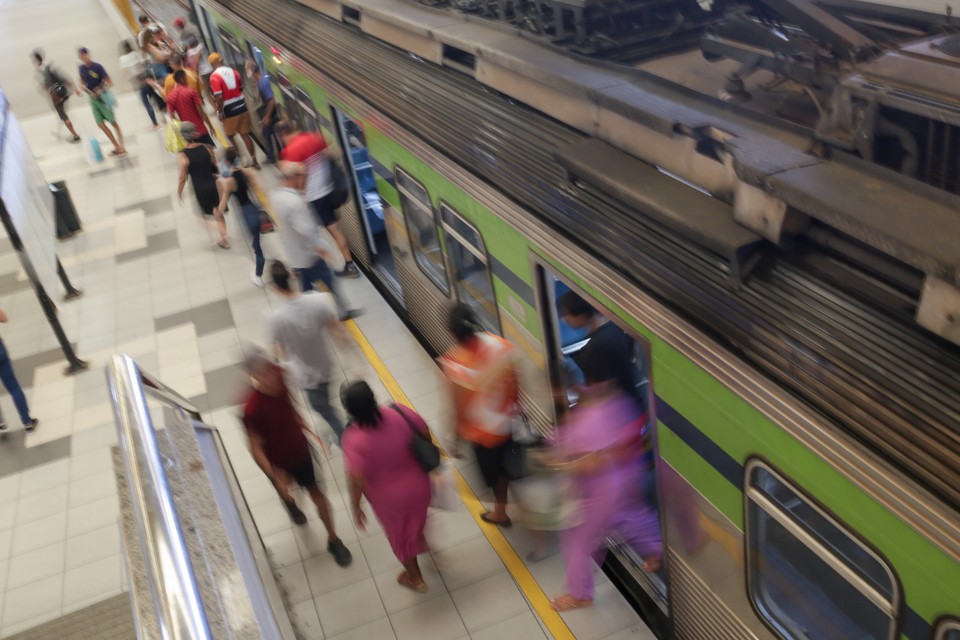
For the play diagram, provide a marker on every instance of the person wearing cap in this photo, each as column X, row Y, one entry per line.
column 227, row 87
column 305, row 246
column 96, row 82
column 199, row 163
column 278, row 441
column 188, row 33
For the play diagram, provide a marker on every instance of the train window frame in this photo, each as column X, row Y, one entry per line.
column 401, row 176
column 857, row 579
column 945, row 626
column 478, row 250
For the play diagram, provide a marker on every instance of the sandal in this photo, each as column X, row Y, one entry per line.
column 499, row 523
column 404, row 581
column 652, row 564
column 223, row 244
column 567, row 602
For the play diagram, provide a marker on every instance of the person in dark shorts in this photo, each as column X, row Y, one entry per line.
column 199, row 164
column 244, row 184
column 280, row 447
column 56, row 85
column 96, row 83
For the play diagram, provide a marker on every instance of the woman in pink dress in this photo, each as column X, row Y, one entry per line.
column 381, row 467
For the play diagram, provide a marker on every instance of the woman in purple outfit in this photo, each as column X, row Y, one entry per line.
column 380, row 466
column 601, row 446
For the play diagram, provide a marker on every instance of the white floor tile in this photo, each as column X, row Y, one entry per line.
column 436, row 619
column 520, row 627
column 38, row 533
column 350, row 607
column 379, row 629
column 489, row 601
column 92, row 515
column 305, row 620
column 396, row 597
column 325, row 576
column 36, row 564
column 293, row 580
column 42, row 504
column 44, row 476
column 92, row 488
column 35, row 599
column 467, row 563
column 91, row 582
column 93, row 545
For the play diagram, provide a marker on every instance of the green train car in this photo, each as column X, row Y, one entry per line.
column 807, row 430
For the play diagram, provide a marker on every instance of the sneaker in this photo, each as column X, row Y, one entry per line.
column 257, row 280
column 298, row 517
column 74, row 139
column 350, row 314
column 31, row 426
column 350, row 270
column 340, row 552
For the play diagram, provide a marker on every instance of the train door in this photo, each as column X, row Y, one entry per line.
column 566, row 337
column 287, row 100
column 232, row 49
column 373, row 211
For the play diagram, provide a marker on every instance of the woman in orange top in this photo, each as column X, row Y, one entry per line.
column 482, row 371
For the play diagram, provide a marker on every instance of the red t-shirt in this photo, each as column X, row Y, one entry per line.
column 307, row 148
column 226, row 82
column 275, row 422
column 185, row 103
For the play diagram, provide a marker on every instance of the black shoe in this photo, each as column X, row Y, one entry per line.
column 31, row 426
column 340, row 552
column 350, row 314
column 298, row 517
column 350, row 270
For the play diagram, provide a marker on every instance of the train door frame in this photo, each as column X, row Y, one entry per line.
column 653, row 596
column 231, row 48
column 289, row 98
column 207, row 30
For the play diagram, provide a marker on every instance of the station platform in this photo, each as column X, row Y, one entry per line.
column 155, row 289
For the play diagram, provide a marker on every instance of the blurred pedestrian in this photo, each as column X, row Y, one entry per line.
column 184, row 103
column 310, row 149
column 267, row 111
column 601, row 446
column 12, row 385
column 187, row 33
column 245, row 185
column 57, row 87
column 227, row 87
column 299, row 330
column 483, row 374
column 159, row 52
column 381, row 467
column 198, row 162
column 150, row 27
column 279, row 445
column 135, row 63
column 96, row 82
column 306, row 248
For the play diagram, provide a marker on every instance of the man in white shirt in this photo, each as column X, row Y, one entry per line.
column 299, row 329
column 305, row 247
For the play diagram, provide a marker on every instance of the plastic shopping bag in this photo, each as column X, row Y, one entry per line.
column 546, row 501
column 174, row 140
column 91, row 149
column 444, row 488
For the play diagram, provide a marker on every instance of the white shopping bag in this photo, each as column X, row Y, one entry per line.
column 444, row 488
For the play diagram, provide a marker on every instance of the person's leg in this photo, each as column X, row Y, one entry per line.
column 248, row 143
column 269, row 143
column 334, row 229
column 251, row 216
column 9, row 379
column 319, row 398
column 103, row 127
column 489, row 461
column 73, row 132
column 145, row 92
column 323, row 510
column 116, row 126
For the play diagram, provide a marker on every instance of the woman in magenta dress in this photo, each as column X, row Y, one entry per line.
column 381, row 467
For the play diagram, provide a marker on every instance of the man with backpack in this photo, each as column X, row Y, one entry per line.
column 57, row 87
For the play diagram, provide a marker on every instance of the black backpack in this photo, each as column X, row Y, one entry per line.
column 56, row 84
column 341, row 188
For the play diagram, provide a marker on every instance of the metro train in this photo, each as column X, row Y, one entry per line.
column 805, row 395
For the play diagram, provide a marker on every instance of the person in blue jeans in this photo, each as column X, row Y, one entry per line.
column 244, row 184
column 267, row 112
column 9, row 379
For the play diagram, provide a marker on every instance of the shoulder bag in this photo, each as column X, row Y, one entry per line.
column 424, row 451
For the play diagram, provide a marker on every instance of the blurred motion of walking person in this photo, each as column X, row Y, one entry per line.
column 280, row 446
column 601, row 445
column 57, row 87
column 381, row 467
column 227, row 88
column 484, row 380
column 299, row 330
column 96, row 82
column 136, row 65
column 244, row 184
column 198, row 162
column 12, row 385
column 267, row 111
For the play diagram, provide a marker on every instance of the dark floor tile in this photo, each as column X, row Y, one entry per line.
column 163, row 241
column 128, row 256
column 10, row 284
column 173, row 320
column 224, row 386
column 202, row 403
column 25, row 366
column 207, row 318
column 15, row 457
column 149, row 207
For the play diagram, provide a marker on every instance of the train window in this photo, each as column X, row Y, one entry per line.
column 422, row 229
column 809, row 576
column 948, row 630
column 471, row 271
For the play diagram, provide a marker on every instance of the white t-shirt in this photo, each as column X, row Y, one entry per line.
column 135, row 64
column 300, row 327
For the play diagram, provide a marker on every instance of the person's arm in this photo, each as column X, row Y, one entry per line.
column 184, row 163
column 268, row 112
column 256, row 449
column 229, row 186
column 217, row 95
column 204, row 116
column 3, row 316
column 356, row 493
column 255, row 189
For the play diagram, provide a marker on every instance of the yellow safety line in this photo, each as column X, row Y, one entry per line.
column 521, row 574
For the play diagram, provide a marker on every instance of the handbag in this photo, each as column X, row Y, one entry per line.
column 424, row 451
column 444, row 488
column 174, row 140
column 267, row 225
column 516, row 461
column 341, row 188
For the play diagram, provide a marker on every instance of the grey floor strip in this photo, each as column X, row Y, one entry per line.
column 109, row 619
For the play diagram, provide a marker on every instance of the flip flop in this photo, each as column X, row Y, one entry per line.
column 499, row 523
column 567, row 602
column 404, row 581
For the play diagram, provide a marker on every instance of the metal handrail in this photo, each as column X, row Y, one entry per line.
column 172, row 580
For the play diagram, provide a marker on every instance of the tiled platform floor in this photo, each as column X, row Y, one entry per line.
column 154, row 288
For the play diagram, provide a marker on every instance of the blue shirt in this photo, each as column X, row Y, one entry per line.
column 93, row 76
column 266, row 88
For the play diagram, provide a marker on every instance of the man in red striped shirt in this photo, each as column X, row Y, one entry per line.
column 227, row 87
column 184, row 103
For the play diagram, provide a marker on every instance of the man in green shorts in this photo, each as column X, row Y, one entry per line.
column 96, row 82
